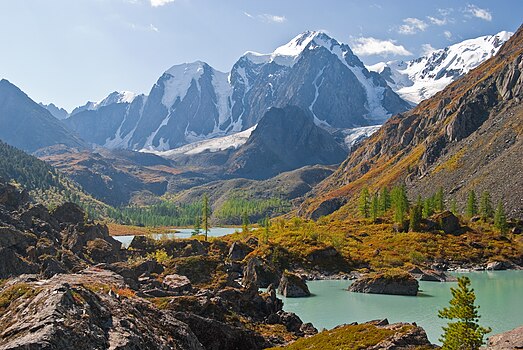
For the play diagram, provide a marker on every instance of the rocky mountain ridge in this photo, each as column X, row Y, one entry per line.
column 421, row 78
column 466, row 137
column 194, row 101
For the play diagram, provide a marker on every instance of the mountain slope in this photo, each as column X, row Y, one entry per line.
column 27, row 125
column 57, row 112
column 285, row 139
column 193, row 101
column 423, row 77
column 45, row 184
column 469, row 136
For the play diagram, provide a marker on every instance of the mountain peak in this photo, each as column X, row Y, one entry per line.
column 189, row 68
column 288, row 54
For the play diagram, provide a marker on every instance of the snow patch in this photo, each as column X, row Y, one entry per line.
column 210, row 145
column 423, row 77
column 356, row 135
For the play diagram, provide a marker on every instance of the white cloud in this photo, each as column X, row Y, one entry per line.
column 157, row 3
column 266, row 17
column 272, row 18
column 372, row 46
column 153, row 28
column 412, row 26
column 478, row 12
column 448, row 34
column 437, row 21
column 427, row 49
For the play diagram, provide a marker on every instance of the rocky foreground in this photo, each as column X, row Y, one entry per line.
column 67, row 283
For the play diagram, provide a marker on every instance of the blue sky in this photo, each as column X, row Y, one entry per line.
column 68, row 52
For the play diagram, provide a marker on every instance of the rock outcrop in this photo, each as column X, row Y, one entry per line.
column 447, row 222
column 386, row 283
column 463, row 138
column 33, row 240
column 89, row 310
column 293, row 286
column 506, row 341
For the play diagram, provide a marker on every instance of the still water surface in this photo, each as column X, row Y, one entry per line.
column 181, row 233
column 499, row 293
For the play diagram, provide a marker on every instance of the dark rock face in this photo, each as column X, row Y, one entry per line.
column 383, row 284
column 27, row 125
column 285, row 139
column 239, row 251
column 258, row 273
column 506, row 341
column 436, row 276
column 293, row 286
column 327, row 207
column 30, row 233
column 447, row 222
column 498, row 265
column 69, row 213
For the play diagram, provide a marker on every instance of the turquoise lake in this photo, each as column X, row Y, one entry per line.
column 181, row 233
column 499, row 293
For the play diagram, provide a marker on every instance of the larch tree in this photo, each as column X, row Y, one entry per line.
column 472, row 206
column 485, row 206
column 463, row 332
column 364, row 203
column 205, row 215
column 500, row 219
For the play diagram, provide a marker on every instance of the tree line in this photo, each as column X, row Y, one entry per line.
column 373, row 206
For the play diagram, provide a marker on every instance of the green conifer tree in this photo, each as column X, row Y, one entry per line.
column 485, row 206
column 415, row 217
column 245, row 222
column 500, row 219
column 454, row 207
column 266, row 230
column 439, row 200
column 464, row 332
column 472, row 206
column 384, row 200
column 197, row 226
column 206, row 213
column 364, row 203
column 400, row 203
column 374, row 207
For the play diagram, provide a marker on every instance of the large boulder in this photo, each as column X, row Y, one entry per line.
column 498, row 265
column 257, row 272
column 392, row 282
column 177, row 283
column 293, row 286
column 69, row 213
column 239, row 251
column 447, row 222
column 11, row 197
column 436, row 276
column 506, row 341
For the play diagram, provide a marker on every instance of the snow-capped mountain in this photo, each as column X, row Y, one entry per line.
column 193, row 101
column 423, row 77
column 114, row 97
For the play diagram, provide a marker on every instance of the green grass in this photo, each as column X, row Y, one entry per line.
column 353, row 337
column 15, row 292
